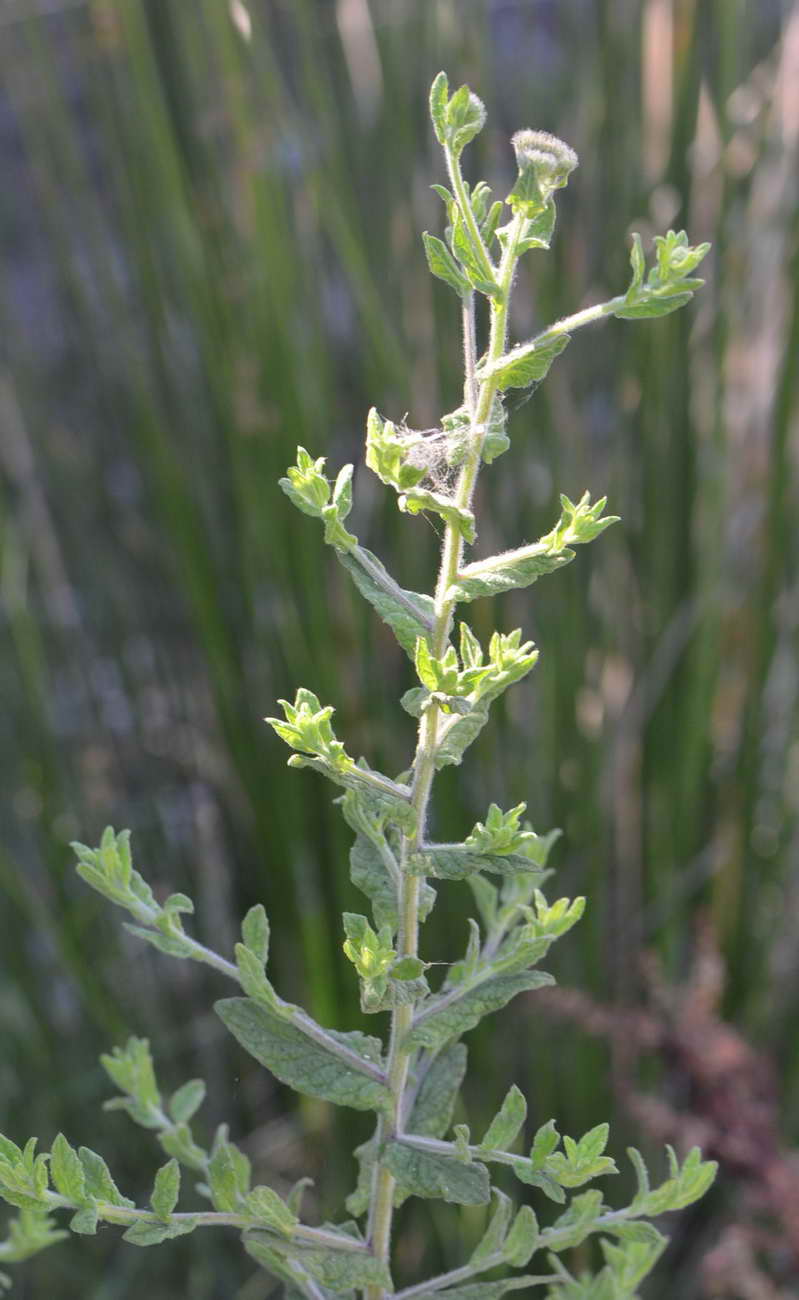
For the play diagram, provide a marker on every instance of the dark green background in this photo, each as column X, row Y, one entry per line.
column 211, row 254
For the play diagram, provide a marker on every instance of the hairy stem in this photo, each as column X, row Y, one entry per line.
column 580, row 318
column 126, row 1216
column 472, row 228
column 464, row 1274
column 479, row 398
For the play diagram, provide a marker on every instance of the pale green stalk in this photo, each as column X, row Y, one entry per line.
column 126, row 1216
column 480, row 398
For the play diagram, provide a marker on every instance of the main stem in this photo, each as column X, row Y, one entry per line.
column 479, row 398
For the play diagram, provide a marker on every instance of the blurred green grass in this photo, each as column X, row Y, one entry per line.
column 213, row 254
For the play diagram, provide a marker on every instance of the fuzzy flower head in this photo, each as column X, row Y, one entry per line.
column 549, row 158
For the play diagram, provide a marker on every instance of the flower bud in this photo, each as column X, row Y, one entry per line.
column 549, row 157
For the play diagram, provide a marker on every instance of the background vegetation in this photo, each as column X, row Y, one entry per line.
column 211, row 219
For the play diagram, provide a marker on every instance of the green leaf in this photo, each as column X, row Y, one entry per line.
column 471, row 264
column 66, row 1170
column 503, row 834
column 458, row 862
column 166, row 1190
column 526, row 364
column 308, row 728
column 308, row 488
column 348, row 1076
column 187, row 1101
column 454, row 1012
column 522, row 1240
column 99, row 1183
column 264, row 1203
column 252, row 978
column 669, row 284
column 372, row 954
column 407, row 613
column 578, row 523
column 84, row 1221
column 178, row 1142
column 340, row 1270
column 9, row 1151
column 24, row 1178
column 370, row 874
column 638, row 263
column 537, row 230
column 583, row 1160
column 407, row 968
column 373, row 862
column 29, row 1232
column 575, row 1224
column 172, row 945
column 686, row 1184
column 432, row 1110
column 465, row 115
column 146, row 1232
column 443, row 264
column 417, row 499
column 460, row 734
column 394, row 799
column 358, row 1201
column 228, row 1177
column 512, row 569
column 653, row 307
column 306, row 485
column 390, row 453
column 507, row 1123
column 439, row 98
column 630, row 1262
column 429, row 1175
column 493, row 1238
column 255, row 932
column 546, row 1140
column 334, row 514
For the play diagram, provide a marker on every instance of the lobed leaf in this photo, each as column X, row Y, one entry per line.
column 686, row 1184
column 433, row 1176
column 407, row 613
column 187, row 1101
column 147, row 1232
column 522, row 1240
column 669, row 284
column 349, row 1078
column 577, row 1223
column 340, row 1270
column 507, row 1123
column 493, row 1239
column 66, row 1170
column 99, row 1183
column 443, row 265
column 526, row 364
column 458, row 862
column 166, row 1190
column 228, row 1174
column 433, row 1106
column 264, row 1203
column 456, row 1011
column 255, row 932
column 507, row 572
